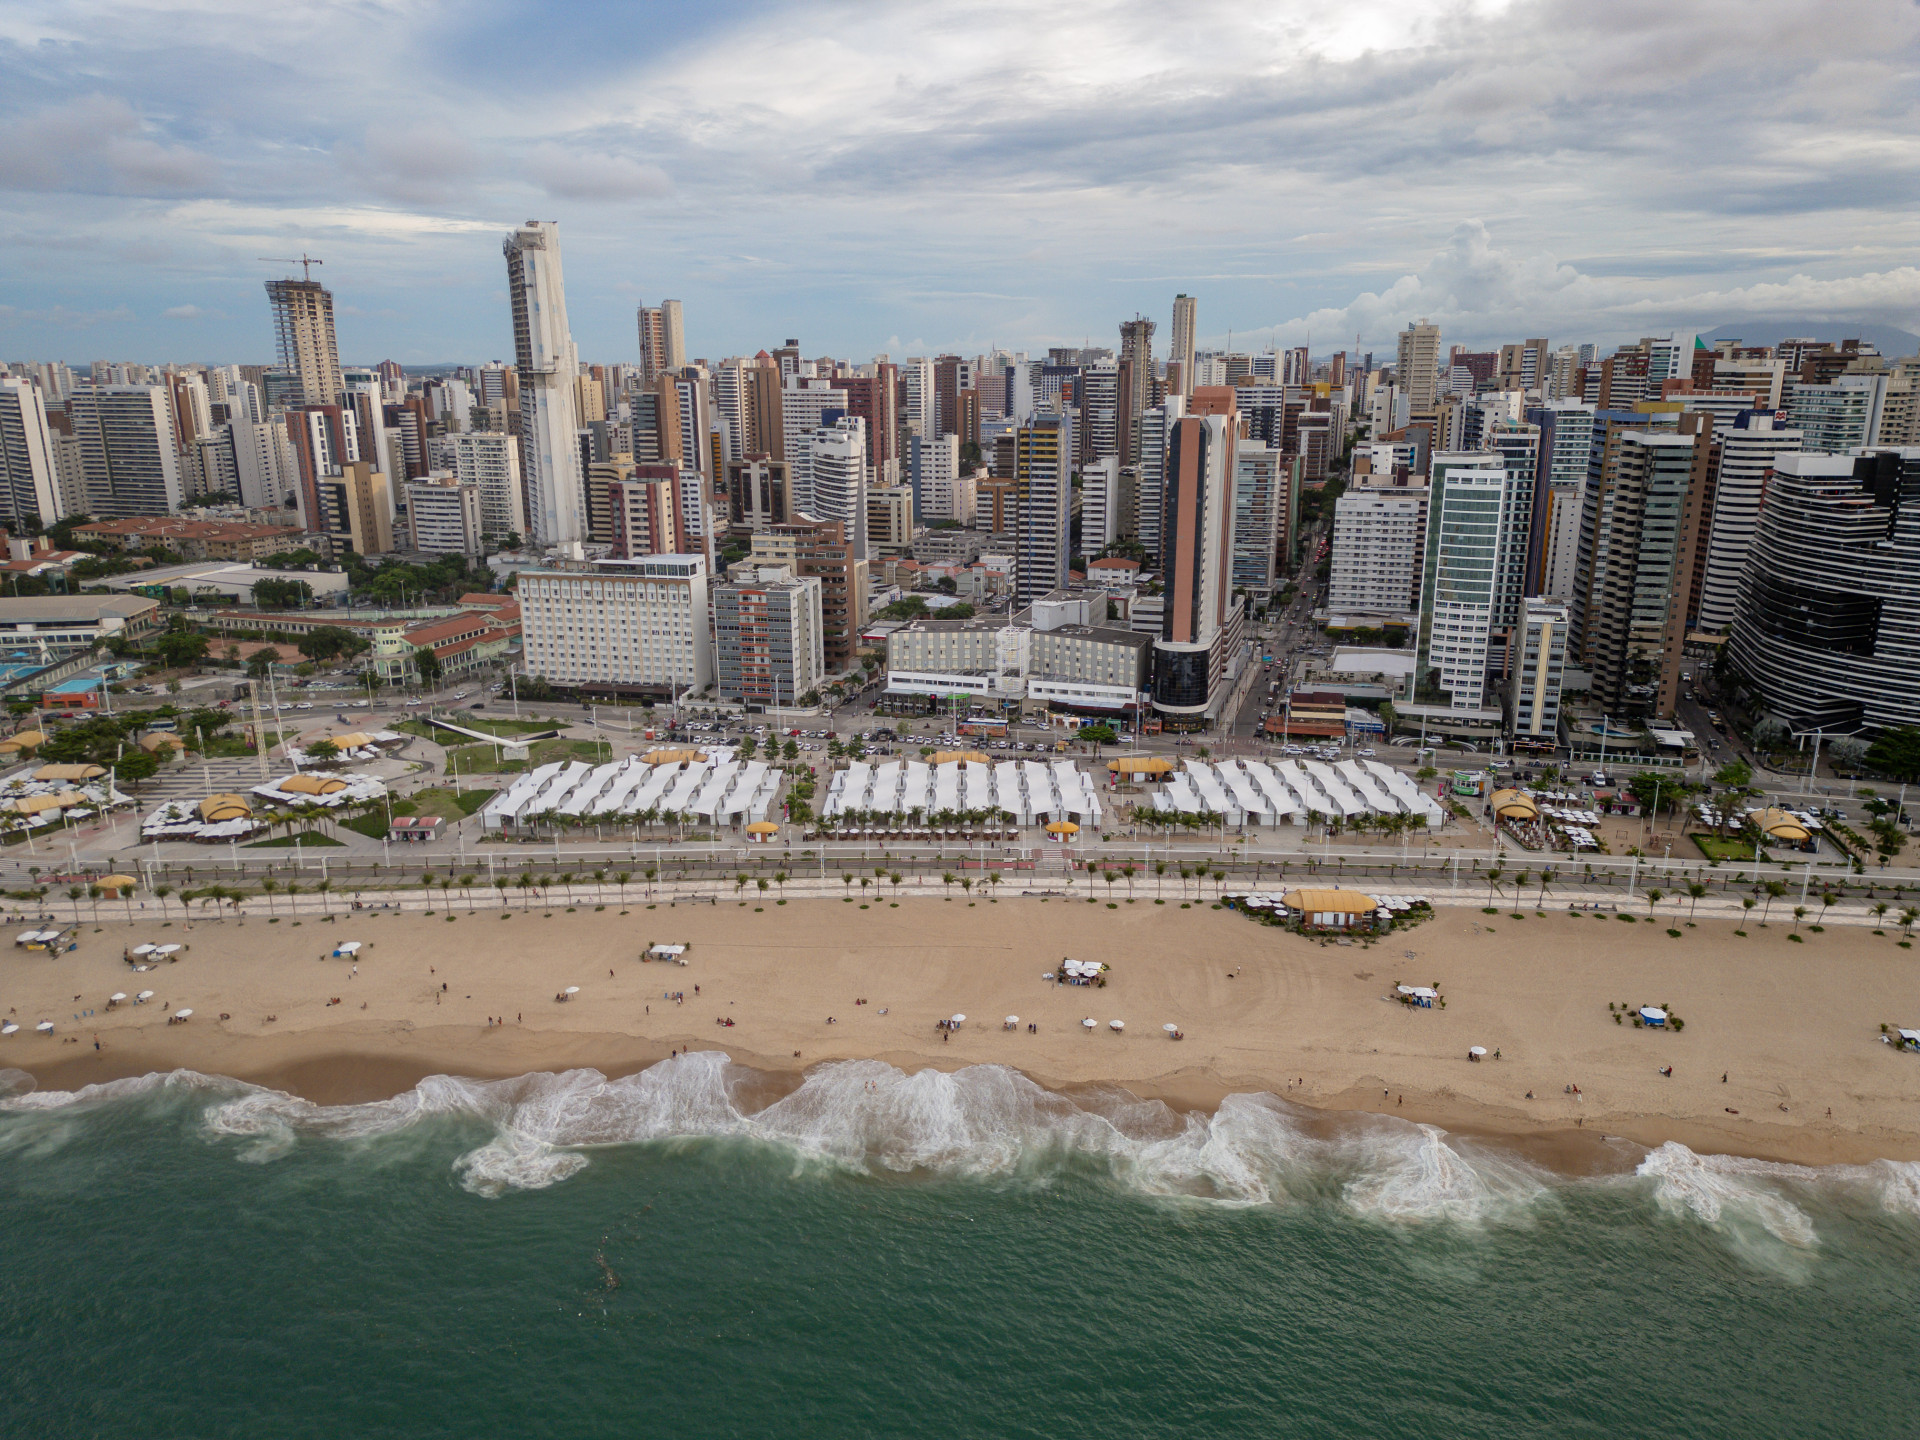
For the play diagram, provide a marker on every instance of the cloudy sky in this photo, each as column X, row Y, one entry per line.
column 919, row 177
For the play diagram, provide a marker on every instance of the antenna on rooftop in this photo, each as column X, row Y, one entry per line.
column 305, row 261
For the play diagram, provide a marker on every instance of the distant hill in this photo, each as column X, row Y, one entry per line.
column 1890, row 340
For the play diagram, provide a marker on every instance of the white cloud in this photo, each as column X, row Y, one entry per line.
column 97, row 143
column 183, row 312
column 574, row 175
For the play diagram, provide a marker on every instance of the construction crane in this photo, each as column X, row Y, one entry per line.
column 306, row 262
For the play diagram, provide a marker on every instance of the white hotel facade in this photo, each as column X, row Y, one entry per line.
column 633, row 626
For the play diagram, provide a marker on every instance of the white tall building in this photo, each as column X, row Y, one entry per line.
column 933, row 465
column 1747, row 455
column 548, row 365
column 443, row 512
column 1261, row 479
column 916, row 378
column 803, row 401
column 1152, row 449
column 1467, row 523
column 837, row 478
column 1377, row 551
column 126, row 443
column 1538, row 662
column 490, row 459
column 625, row 626
column 1417, row 370
column 28, row 484
column 264, row 467
column 1099, row 504
column 1839, row 417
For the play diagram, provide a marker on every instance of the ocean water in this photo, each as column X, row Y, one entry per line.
column 929, row 1255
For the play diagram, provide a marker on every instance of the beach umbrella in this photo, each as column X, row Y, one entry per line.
column 9, row 1028
column 166, row 949
column 183, row 1014
column 144, row 949
column 347, row 947
column 45, row 1027
column 1116, row 1024
column 1090, row 1022
column 1013, row 1019
column 959, row 1019
column 1170, row 1029
column 1476, row 1050
column 573, row 989
column 144, row 996
column 117, row 997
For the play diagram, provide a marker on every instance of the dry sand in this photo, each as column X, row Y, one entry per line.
column 1792, row 1025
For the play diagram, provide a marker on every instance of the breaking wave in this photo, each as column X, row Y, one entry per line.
column 986, row 1121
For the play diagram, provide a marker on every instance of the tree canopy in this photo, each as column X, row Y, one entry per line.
column 1896, row 754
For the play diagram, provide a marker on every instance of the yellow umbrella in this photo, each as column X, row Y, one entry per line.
column 1062, row 827
column 763, row 827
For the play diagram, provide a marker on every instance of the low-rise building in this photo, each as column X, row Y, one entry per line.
column 191, row 539
column 73, row 622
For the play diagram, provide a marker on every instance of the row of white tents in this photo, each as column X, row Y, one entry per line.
column 717, row 788
column 1286, row 792
column 1032, row 791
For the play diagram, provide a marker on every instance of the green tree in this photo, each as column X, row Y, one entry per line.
column 135, row 766
column 262, row 661
column 427, row 665
column 1896, row 754
column 181, row 648
column 329, row 642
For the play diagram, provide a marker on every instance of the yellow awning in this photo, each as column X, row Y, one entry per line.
column 763, row 827
column 25, row 740
column 225, row 807
column 1141, row 765
column 1780, row 824
column 672, row 757
column 964, row 757
column 1062, row 827
column 69, row 772
column 1331, row 902
column 117, row 882
column 311, row 785
column 1514, row 805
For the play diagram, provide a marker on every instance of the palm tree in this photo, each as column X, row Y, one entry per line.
column 1775, row 889
column 466, row 889
column 620, row 878
column 946, row 881
column 846, row 882
column 1880, row 914
column 1746, row 904
column 893, row 879
column 1799, row 914
column 1695, row 890
column 650, row 872
column 525, row 883
column 599, row 884
column 1159, row 878
column 267, row 887
column 780, row 879
column 93, row 894
column 160, row 893
column 326, row 907
column 1654, row 897
column 1493, row 882
column 1907, row 917
column 966, row 884
column 1546, row 876
column 501, row 883
column 739, row 882
column 994, row 879
column 762, row 883
column 74, row 892
column 1827, row 897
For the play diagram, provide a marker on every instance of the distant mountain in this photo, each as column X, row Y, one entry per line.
column 1890, row 340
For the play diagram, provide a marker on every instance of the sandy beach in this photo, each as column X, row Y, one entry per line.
column 1794, row 1027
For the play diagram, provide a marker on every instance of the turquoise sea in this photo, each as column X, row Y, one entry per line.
column 930, row 1255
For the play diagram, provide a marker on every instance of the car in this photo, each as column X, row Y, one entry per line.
column 412, row 704
column 1366, row 753
column 362, row 704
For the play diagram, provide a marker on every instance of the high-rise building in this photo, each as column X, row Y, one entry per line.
column 491, row 459
column 545, row 363
column 663, row 345
column 1378, row 555
column 1748, row 450
column 757, row 493
column 1828, row 630
column 1537, row 664
column 632, row 627
column 1262, row 485
column 354, row 508
column 1467, row 523
column 303, row 335
column 29, row 495
column 443, row 514
column 1043, row 498
column 644, row 513
column 1650, row 520
column 1136, row 353
column 837, row 478
column 1566, row 440
column 1180, row 345
column 932, row 466
column 1839, row 417
column 126, row 444
column 767, row 641
column 1153, row 427
column 921, row 411
column 1196, row 556
column 821, row 548
column 805, row 404
column 1099, row 517
column 1417, row 370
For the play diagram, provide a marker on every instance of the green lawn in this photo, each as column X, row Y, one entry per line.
column 373, row 824
column 308, row 840
column 505, row 727
column 447, row 804
column 1714, row 848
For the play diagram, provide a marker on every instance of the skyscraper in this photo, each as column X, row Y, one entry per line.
column 1417, row 372
column 547, row 364
column 837, row 477
column 1136, row 352
column 1180, row 347
column 1749, row 449
column 28, row 495
column 1043, row 487
column 663, row 344
column 303, row 334
column 126, row 443
column 1460, row 586
column 1196, row 553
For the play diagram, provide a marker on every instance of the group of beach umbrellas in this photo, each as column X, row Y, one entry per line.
column 156, row 950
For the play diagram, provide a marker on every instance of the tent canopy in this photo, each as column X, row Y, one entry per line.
column 763, row 827
column 311, row 785
column 674, row 757
column 1514, row 805
column 1779, row 824
column 1062, row 827
column 69, row 772
column 225, row 807
column 1141, row 765
column 1331, row 902
column 24, row 740
column 964, row 757
column 117, row 882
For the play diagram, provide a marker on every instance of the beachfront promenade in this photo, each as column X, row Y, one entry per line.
column 317, row 883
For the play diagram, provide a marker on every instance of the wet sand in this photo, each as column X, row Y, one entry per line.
column 1793, row 1025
